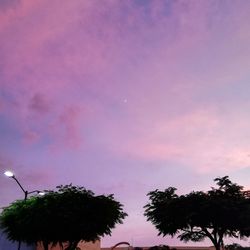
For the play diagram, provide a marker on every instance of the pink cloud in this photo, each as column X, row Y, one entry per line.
column 31, row 137
column 39, row 104
column 201, row 140
column 71, row 49
column 66, row 128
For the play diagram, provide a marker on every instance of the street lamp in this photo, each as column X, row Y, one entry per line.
column 26, row 193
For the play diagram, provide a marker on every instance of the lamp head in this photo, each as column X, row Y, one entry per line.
column 8, row 174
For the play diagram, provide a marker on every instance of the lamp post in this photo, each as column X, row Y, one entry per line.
column 26, row 193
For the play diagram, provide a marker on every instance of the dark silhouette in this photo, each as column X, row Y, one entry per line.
column 69, row 214
column 221, row 212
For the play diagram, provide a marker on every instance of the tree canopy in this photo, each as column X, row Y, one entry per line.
column 221, row 212
column 236, row 246
column 69, row 214
column 160, row 247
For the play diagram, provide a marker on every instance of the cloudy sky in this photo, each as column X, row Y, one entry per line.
column 124, row 97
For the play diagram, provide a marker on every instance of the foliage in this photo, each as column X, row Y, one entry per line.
column 137, row 248
column 69, row 214
column 220, row 212
column 160, row 247
column 236, row 246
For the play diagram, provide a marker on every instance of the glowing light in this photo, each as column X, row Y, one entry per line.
column 8, row 173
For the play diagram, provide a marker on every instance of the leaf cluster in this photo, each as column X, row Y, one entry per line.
column 236, row 246
column 160, row 247
column 222, row 211
column 69, row 214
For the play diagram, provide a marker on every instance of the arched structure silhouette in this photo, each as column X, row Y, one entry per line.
column 120, row 243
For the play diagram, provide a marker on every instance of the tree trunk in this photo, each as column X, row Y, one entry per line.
column 217, row 246
column 72, row 245
column 45, row 245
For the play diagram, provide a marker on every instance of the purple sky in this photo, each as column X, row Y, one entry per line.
column 124, row 97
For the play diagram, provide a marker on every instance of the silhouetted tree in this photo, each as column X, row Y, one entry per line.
column 233, row 246
column 159, row 247
column 69, row 214
column 236, row 246
column 137, row 248
column 220, row 212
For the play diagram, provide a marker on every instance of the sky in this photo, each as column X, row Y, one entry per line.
column 124, row 97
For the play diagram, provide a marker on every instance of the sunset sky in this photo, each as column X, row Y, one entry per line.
column 124, row 97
